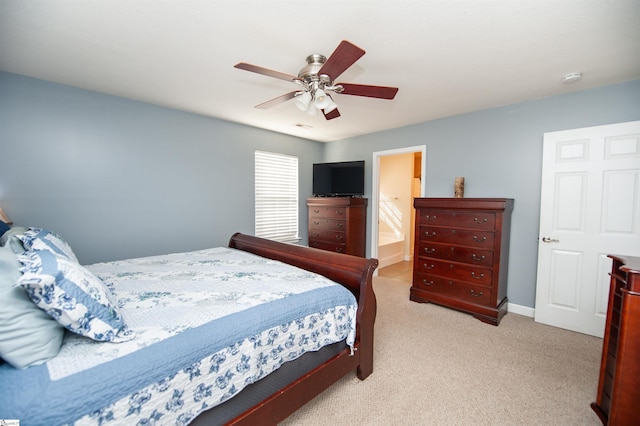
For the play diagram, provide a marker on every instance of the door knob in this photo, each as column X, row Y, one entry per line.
column 549, row 240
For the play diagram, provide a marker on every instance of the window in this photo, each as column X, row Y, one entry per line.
column 276, row 196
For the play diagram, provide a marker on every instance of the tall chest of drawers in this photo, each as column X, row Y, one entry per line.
column 338, row 224
column 461, row 254
column 618, row 398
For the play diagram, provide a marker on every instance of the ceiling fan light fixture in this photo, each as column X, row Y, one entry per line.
column 330, row 106
column 303, row 101
column 312, row 110
column 322, row 99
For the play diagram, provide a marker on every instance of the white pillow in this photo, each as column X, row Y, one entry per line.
column 28, row 336
column 13, row 239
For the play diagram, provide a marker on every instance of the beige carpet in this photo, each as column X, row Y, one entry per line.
column 436, row 366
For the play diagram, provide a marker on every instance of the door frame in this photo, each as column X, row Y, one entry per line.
column 375, row 187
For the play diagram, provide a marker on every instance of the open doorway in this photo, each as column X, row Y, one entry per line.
column 397, row 177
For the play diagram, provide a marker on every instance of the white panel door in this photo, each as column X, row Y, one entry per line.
column 589, row 207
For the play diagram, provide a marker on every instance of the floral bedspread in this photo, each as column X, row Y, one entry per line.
column 207, row 324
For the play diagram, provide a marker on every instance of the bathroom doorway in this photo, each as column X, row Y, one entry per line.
column 397, row 177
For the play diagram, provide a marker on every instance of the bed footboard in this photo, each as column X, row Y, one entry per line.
column 354, row 273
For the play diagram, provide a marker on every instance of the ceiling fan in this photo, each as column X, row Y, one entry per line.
column 317, row 78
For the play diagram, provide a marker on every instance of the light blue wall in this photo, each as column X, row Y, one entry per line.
column 499, row 152
column 119, row 178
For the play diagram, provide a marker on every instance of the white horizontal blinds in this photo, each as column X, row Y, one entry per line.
column 276, row 196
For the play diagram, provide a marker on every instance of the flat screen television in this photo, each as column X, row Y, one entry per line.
column 343, row 179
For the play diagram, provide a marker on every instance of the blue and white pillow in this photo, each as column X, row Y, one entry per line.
column 42, row 239
column 72, row 295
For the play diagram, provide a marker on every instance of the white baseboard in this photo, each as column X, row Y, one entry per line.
column 521, row 310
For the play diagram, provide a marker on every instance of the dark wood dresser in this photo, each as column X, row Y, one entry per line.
column 618, row 399
column 461, row 254
column 338, row 224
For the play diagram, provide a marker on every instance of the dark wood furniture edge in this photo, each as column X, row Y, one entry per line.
column 595, row 406
column 622, row 270
column 355, row 273
column 629, row 263
column 601, row 415
column 505, row 204
column 341, row 201
column 485, row 314
column 290, row 398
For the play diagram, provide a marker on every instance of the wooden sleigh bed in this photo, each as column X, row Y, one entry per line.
column 355, row 273
column 274, row 397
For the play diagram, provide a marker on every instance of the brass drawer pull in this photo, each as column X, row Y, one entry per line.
column 477, row 277
column 425, row 266
column 431, row 218
column 316, row 211
column 478, row 239
column 479, row 259
column 474, row 294
column 476, row 220
column 339, row 225
column 429, row 251
column 339, row 237
column 315, row 222
column 426, row 234
column 339, row 212
column 425, row 282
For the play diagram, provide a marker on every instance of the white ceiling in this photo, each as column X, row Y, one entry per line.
column 446, row 57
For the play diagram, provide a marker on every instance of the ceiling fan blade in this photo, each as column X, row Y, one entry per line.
column 265, row 71
column 382, row 92
column 275, row 101
column 332, row 114
column 345, row 55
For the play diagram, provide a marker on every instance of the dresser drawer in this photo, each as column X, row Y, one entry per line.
column 317, row 224
column 460, row 271
column 472, row 256
column 325, row 245
column 442, row 286
column 473, row 294
column 329, row 236
column 464, row 237
column 459, row 219
column 328, row 212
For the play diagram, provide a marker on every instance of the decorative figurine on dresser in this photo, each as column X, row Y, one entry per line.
column 461, row 254
column 618, row 399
